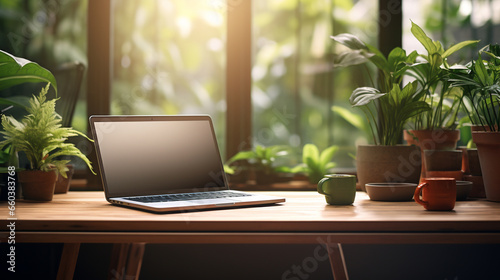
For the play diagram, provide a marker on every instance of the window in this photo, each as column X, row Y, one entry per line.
column 168, row 58
column 262, row 69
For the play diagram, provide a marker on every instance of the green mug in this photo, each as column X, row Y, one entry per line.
column 339, row 189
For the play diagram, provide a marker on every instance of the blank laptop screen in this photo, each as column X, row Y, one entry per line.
column 158, row 156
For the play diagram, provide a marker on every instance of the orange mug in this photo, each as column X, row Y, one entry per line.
column 437, row 194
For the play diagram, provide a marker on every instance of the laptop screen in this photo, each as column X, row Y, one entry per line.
column 143, row 155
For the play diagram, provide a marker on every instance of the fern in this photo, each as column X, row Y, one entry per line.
column 41, row 137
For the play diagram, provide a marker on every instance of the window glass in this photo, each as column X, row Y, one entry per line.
column 169, row 58
column 294, row 82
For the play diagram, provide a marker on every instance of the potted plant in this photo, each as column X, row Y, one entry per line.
column 480, row 83
column 435, row 129
column 315, row 164
column 263, row 161
column 387, row 107
column 40, row 136
column 15, row 71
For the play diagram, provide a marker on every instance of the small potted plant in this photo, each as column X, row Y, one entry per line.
column 40, row 136
column 480, row 83
column 264, row 162
column 315, row 164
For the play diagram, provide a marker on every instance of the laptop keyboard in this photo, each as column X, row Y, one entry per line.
column 186, row 196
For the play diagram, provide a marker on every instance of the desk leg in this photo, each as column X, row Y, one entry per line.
column 126, row 261
column 337, row 262
column 68, row 260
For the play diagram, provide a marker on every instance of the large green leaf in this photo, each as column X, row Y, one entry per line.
column 457, row 47
column 396, row 56
column 423, row 38
column 327, row 156
column 354, row 119
column 16, row 70
column 364, row 95
column 310, row 155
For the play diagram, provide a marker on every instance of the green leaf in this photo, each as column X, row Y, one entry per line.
column 364, row 95
column 327, row 155
column 243, row 155
column 457, row 47
column 350, row 41
column 310, row 155
column 15, row 71
column 423, row 38
column 354, row 119
column 396, row 56
column 351, row 58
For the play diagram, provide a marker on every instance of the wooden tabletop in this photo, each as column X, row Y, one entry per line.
column 302, row 211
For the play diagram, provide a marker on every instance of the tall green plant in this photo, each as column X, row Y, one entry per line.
column 432, row 76
column 480, row 82
column 387, row 107
column 40, row 136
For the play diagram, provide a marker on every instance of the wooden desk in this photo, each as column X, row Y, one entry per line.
column 85, row 217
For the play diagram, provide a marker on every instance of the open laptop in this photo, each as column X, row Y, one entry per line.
column 164, row 163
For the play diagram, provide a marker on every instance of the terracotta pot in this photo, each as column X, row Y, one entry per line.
column 443, row 160
column 438, row 139
column 488, row 147
column 38, row 185
column 379, row 164
column 410, row 138
column 62, row 184
column 481, row 128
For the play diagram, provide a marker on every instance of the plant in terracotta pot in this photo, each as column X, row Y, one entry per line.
column 264, row 162
column 315, row 164
column 387, row 106
column 40, row 136
column 435, row 129
column 480, row 83
column 437, row 126
column 15, row 71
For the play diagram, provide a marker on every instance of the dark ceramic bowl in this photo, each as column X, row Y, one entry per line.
column 463, row 189
column 391, row 191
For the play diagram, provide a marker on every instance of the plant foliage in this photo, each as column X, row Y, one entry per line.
column 261, row 158
column 40, row 136
column 432, row 77
column 315, row 164
column 387, row 107
column 480, row 83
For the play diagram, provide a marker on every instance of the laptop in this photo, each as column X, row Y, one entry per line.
column 164, row 164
